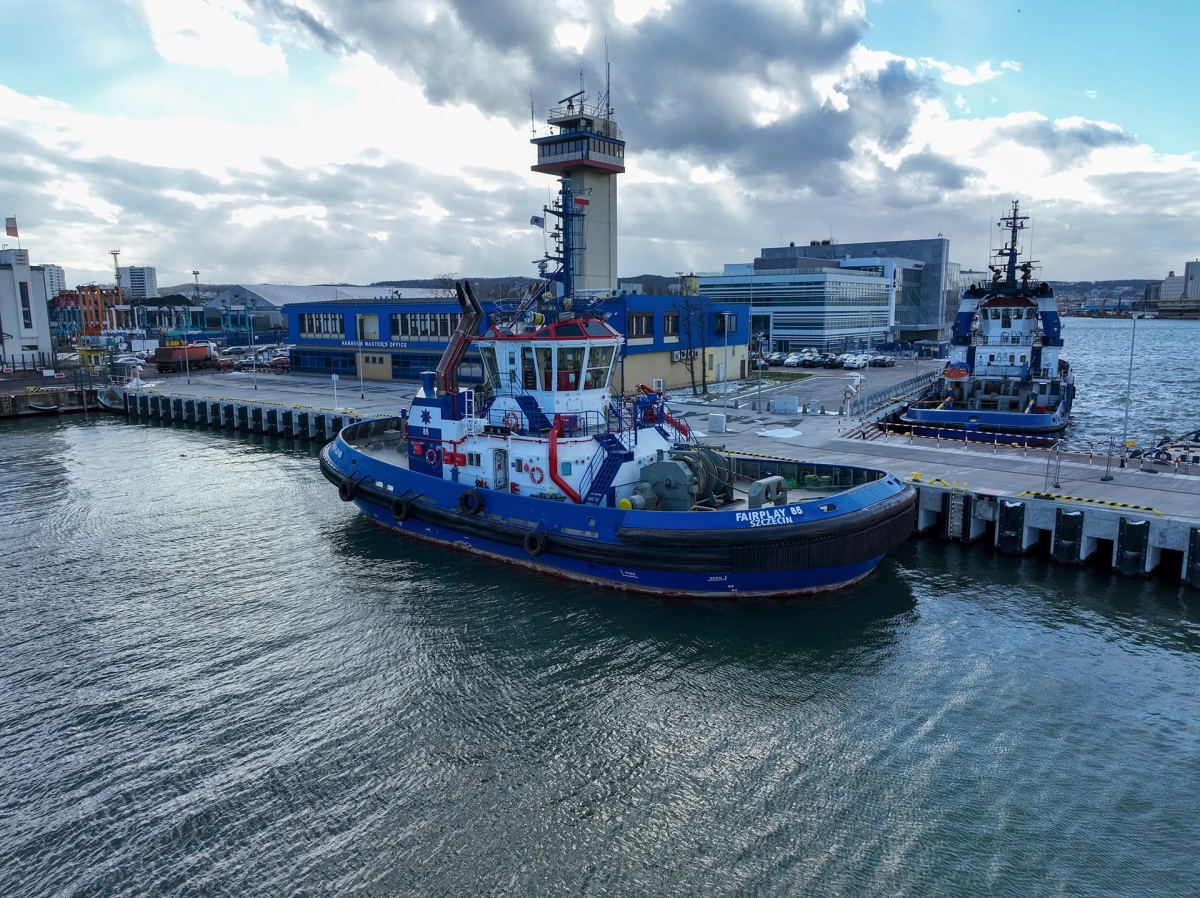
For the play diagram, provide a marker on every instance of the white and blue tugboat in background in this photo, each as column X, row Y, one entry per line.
column 544, row 467
column 1005, row 376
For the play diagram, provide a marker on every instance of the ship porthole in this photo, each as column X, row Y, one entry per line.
column 401, row 508
column 471, row 502
column 535, row 542
column 347, row 490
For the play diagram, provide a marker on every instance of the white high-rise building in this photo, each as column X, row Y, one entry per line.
column 138, row 283
column 56, row 280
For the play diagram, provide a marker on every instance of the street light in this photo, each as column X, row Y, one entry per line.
column 1129, row 386
column 725, row 366
column 250, row 306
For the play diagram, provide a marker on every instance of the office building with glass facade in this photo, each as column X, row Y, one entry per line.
column 927, row 296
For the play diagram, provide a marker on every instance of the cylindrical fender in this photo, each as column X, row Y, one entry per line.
column 347, row 490
column 535, row 543
column 471, row 502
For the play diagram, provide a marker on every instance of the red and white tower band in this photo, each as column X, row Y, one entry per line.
column 586, row 146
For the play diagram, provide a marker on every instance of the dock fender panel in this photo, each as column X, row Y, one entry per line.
column 1010, row 527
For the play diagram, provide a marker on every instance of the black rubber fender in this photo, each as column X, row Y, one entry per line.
column 535, row 543
column 347, row 490
column 401, row 508
column 471, row 502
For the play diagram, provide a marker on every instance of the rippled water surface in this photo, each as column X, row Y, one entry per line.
column 1166, row 390
column 218, row 679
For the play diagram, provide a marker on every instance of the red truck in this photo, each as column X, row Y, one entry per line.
column 194, row 355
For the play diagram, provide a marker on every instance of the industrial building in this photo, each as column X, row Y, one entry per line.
column 396, row 338
column 25, row 335
column 1178, row 296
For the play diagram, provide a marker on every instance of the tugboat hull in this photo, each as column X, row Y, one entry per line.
column 794, row 550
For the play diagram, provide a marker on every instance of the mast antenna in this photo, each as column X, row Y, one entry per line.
column 607, row 82
column 532, row 120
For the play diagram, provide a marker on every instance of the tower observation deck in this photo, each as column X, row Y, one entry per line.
column 585, row 145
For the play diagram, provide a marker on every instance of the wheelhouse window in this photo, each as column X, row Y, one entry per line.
column 528, row 372
column 598, row 366
column 570, row 366
column 489, row 363
column 545, row 363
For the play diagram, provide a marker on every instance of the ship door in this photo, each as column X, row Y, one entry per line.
column 499, row 469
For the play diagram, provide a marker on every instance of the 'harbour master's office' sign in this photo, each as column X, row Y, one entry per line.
column 374, row 344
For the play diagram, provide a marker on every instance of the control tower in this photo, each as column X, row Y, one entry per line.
column 585, row 145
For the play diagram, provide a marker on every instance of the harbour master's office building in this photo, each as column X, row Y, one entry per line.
column 395, row 339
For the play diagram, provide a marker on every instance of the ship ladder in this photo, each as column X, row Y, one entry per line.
column 955, row 528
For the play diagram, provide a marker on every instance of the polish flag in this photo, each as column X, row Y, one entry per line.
column 581, row 201
column 10, row 227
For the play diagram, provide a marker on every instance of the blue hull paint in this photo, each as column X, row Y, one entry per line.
column 628, row 577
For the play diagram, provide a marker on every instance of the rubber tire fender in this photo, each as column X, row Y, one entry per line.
column 401, row 509
column 535, row 543
column 347, row 490
column 471, row 502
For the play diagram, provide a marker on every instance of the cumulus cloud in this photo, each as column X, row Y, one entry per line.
column 212, row 33
column 963, row 77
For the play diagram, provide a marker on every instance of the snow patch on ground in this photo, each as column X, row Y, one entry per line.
column 779, row 433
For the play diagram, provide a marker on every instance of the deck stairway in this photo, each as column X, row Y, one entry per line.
column 533, row 412
column 616, row 453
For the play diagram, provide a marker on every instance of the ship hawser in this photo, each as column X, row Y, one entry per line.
column 543, row 466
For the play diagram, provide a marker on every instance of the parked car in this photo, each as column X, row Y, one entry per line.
column 757, row 363
column 832, row 361
column 776, row 358
column 882, row 361
column 792, row 361
column 811, row 361
column 281, row 364
column 225, row 364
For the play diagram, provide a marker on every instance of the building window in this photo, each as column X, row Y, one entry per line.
column 671, row 324
column 424, row 325
column 641, row 324
column 26, row 308
column 323, row 362
column 722, row 318
column 322, row 325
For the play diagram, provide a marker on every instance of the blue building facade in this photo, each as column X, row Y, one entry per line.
column 397, row 339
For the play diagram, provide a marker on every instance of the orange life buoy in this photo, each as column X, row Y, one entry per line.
column 848, row 394
column 511, row 421
column 535, row 473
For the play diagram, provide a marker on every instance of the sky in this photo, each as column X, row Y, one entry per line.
column 310, row 141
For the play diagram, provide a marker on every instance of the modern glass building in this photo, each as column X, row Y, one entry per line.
column 927, row 296
column 824, row 306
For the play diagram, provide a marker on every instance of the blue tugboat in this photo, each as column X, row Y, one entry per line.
column 1005, row 376
column 544, row 467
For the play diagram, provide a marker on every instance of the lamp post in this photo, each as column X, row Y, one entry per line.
column 250, row 306
column 187, row 364
column 1129, row 386
column 725, row 365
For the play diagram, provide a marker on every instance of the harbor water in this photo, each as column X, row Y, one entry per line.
column 1165, row 396
column 219, row 679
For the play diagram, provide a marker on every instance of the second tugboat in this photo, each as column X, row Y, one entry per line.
column 1005, row 377
column 545, row 468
